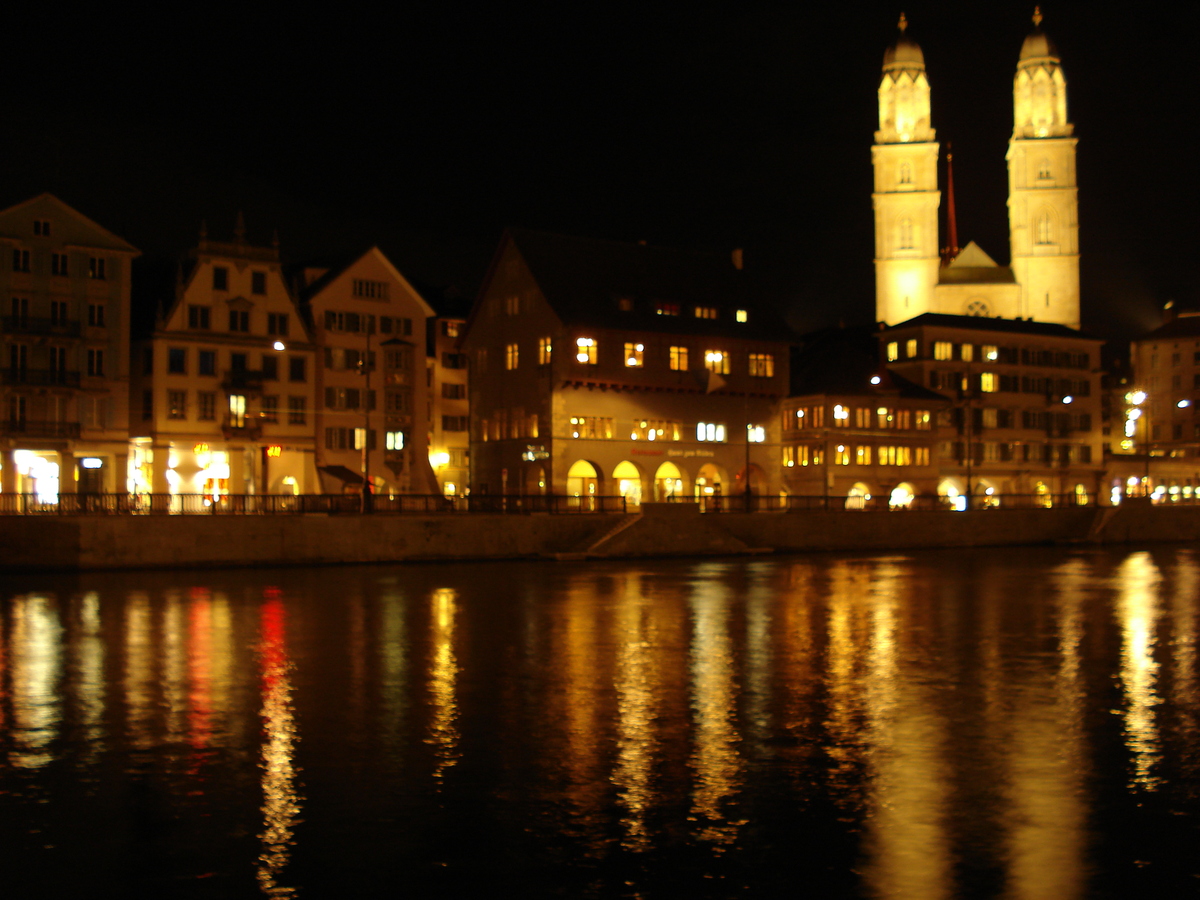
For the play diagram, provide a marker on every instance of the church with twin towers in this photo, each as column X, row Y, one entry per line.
column 914, row 272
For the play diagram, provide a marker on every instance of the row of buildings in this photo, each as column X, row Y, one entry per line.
column 589, row 367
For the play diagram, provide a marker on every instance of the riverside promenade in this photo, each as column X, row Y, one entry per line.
column 86, row 541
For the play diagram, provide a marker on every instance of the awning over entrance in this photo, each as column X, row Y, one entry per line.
column 341, row 473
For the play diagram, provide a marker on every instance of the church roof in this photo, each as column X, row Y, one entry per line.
column 1037, row 46
column 842, row 362
column 987, row 323
column 904, row 52
column 973, row 266
column 1185, row 326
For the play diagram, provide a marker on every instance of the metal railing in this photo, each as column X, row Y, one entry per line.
column 297, row 504
column 718, row 503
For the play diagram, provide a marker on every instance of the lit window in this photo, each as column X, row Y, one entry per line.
column 237, row 410
column 841, row 415
column 756, row 434
column 706, row 312
column 512, row 305
column 862, row 455
column 667, row 309
column 885, row 417
column 544, row 348
column 989, row 382
column 893, row 351
column 510, row 356
column 633, row 355
column 710, row 431
column 716, row 361
column 943, row 350
column 842, row 455
column 966, row 352
column 910, row 349
column 585, row 351
column 923, row 423
column 679, row 359
column 762, row 365
column 395, row 440
column 991, row 353
column 788, row 457
column 742, row 316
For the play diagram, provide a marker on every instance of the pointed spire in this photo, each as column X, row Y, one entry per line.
column 903, row 23
column 951, row 250
column 1037, row 17
column 239, row 228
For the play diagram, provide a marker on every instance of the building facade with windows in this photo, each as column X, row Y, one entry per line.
column 371, row 382
column 1025, row 400
column 605, row 368
column 449, row 403
column 854, row 431
column 65, row 306
column 222, row 387
column 916, row 273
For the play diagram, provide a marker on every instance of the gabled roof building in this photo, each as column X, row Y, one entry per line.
column 608, row 368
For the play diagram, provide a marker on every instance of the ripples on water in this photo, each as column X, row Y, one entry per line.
column 1001, row 723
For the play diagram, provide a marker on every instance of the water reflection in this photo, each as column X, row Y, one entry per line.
column 933, row 726
column 443, row 671
column 281, row 801
column 1137, row 609
column 715, row 761
column 35, row 663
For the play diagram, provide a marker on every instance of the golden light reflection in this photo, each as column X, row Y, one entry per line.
column 173, row 648
column 637, row 685
column 715, row 760
column 1137, row 610
column 908, row 790
column 281, row 800
column 393, row 653
column 1184, row 641
column 140, row 678
column 1045, row 819
column 443, row 674
column 36, row 665
column 89, row 653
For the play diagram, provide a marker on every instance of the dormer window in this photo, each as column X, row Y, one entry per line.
column 706, row 312
column 41, row 227
column 742, row 316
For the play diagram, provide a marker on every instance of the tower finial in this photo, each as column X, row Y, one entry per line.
column 903, row 23
column 951, row 250
column 1037, row 17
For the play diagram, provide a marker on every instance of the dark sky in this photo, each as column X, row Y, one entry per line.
column 430, row 127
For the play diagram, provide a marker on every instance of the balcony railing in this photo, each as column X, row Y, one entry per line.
column 40, row 377
column 245, row 428
column 40, row 428
column 39, row 325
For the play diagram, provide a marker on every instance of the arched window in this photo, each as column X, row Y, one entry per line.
column 1043, row 232
column 1044, row 169
column 906, row 234
column 905, row 173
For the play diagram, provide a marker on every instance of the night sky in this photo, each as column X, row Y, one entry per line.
column 428, row 128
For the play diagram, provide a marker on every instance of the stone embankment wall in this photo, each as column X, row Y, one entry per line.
column 102, row 542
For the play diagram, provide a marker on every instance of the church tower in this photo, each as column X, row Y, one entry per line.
column 1043, row 200
column 906, row 196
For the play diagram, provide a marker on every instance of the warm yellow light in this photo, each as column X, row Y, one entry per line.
column 439, row 459
column 274, row 451
column 201, row 448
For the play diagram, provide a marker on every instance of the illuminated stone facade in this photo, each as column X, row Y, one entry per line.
column 1042, row 282
column 217, row 409
column 368, row 313
column 603, row 368
column 64, row 395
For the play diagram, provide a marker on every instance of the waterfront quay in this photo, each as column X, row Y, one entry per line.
column 127, row 531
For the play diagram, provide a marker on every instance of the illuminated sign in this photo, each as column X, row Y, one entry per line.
column 274, row 451
column 90, row 462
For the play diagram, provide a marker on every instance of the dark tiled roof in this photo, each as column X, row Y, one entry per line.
column 583, row 278
column 842, row 361
column 986, row 323
column 1185, row 326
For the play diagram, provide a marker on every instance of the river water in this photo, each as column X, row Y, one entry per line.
column 991, row 723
